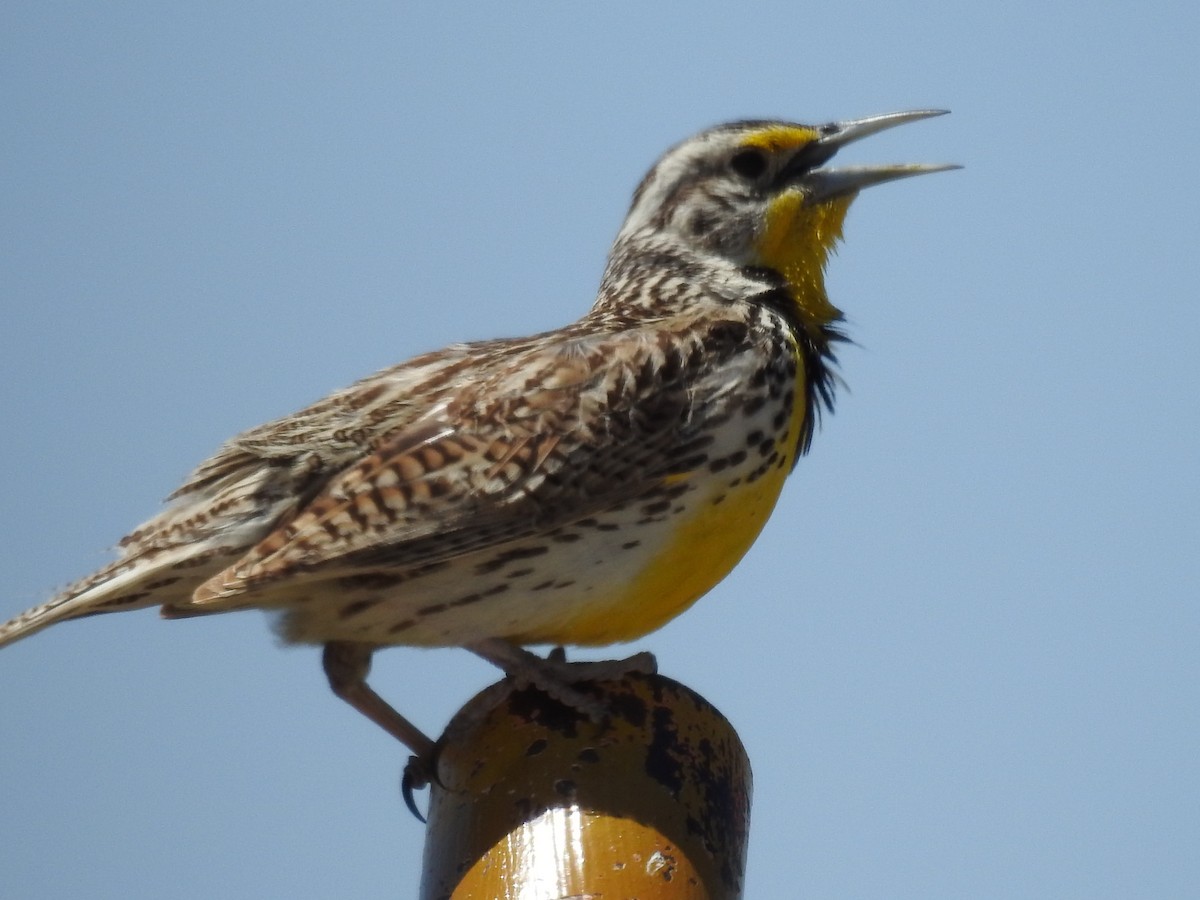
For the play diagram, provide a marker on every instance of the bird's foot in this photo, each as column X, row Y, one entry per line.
column 556, row 677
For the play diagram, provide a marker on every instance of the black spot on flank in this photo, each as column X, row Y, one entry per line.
column 370, row 581
column 629, row 545
column 737, row 457
column 566, row 537
column 767, row 447
column 607, row 526
column 467, row 600
column 496, row 589
column 403, row 625
column 753, row 405
column 718, row 465
column 780, row 419
column 524, row 552
column 658, row 506
column 421, row 570
column 431, row 609
column 358, row 606
column 502, row 559
column 543, row 585
column 519, row 573
column 761, row 470
column 720, row 498
column 754, row 437
column 587, row 523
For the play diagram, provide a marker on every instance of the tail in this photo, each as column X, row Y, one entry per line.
column 137, row 582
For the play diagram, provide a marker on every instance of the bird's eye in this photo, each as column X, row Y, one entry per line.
column 749, row 163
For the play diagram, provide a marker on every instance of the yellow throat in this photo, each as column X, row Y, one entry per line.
column 796, row 241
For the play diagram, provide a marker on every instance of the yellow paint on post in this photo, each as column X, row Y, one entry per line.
column 534, row 800
column 569, row 852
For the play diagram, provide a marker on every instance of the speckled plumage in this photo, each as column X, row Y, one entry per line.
column 553, row 488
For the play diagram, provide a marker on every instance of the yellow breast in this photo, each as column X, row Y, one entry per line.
column 702, row 547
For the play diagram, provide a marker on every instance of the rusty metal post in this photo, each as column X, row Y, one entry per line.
column 534, row 800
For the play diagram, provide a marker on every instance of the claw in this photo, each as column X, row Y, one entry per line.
column 416, row 775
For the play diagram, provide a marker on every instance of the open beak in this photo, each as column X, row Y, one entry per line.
column 825, row 184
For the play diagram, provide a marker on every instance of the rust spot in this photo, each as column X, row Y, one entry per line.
column 565, row 787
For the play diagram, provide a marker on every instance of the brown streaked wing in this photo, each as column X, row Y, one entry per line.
column 554, row 436
column 340, row 428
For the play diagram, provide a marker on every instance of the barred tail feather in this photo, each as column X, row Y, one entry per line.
column 126, row 584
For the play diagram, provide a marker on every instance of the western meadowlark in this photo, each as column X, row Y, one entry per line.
column 581, row 486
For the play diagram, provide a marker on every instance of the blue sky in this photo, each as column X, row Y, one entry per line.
column 962, row 656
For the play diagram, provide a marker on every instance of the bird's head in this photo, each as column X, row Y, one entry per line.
column 757, row 194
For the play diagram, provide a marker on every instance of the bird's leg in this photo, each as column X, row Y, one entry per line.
column 346, row 666
column 555, row 676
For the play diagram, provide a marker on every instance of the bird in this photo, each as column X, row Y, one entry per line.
column 578, row 487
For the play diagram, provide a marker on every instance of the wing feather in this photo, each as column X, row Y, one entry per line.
column 552, row 437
